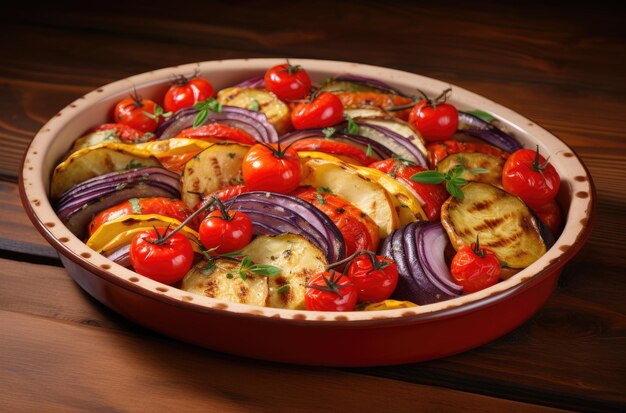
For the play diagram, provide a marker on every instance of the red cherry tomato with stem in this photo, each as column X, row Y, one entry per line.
column 225, row 231
column 435, row 119
column 271, row 168
column 184, row 93
column 475, row 268
column 531, row 177
column 330, row 291
column 161, row 256
column 288, row 82
column 375, row 276
column 322, row 111
column 139, row 113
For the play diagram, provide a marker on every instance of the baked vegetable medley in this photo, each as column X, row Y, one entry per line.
column 278, row 191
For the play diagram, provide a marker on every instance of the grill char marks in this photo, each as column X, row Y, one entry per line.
column 501, row 221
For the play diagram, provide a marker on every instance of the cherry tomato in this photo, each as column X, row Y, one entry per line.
column 475, row 268
column 164, row 261
column 430, row 196
column 359, row 231
column 125, row 133
column 438, row 151
column 550, row 214
column 325, row 110
column 169, row 207
column 435, row 119
column 141, row 114
column 271, row 168
column 528, row 175
column 288, row 82
column 330, row 291
column 375, row 276
column 334, row 148
column 185, row 93
column 215, row 132
column 225, row 231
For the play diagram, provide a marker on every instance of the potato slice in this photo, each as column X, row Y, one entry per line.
column 409, row 208
column 503, row 221
column 222, row 281
column 277, row 112
column 214, row 168
column 363, row 192
column 475, row 160
column 299, row 260
column 90, row 162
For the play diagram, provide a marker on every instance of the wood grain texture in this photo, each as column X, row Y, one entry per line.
column 561, row 67
column 109, row 363
column 528, row 364
column 17, row 233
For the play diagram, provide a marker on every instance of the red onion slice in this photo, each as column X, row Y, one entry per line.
column 81, row 203
column 253, row 123
column 478, row 128
column 406, row 288
column 120, row 256
column 431, row 242
column 286, row 213
column 428, row 292
column 399, row 144
column 256, row 82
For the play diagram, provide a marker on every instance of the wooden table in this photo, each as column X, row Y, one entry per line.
column 60, row 350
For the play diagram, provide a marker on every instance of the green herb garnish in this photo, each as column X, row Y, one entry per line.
column 203, row 108
column 353, row 127
column 452, row 178
column 328, row 132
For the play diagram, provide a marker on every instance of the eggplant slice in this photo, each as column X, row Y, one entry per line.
column 504, row 223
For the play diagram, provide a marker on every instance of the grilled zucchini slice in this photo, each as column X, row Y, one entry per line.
column 503, row 222
column 299, row 260
column 277, row 112
column 475, row 160
column 216, row 167
column 222, row 281
column 90, row 162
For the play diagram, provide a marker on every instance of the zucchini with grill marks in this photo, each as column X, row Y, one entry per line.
column 276, row 111
column 492, row 166
column 504, row 223
column 216, row 167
